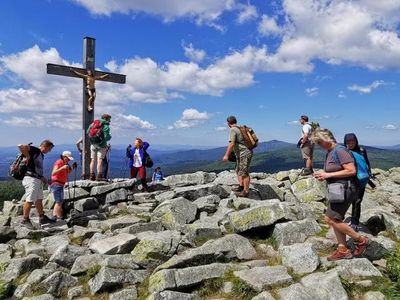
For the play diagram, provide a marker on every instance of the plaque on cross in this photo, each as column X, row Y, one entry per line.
column 89, row 76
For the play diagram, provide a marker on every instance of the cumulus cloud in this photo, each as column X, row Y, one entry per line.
column 368, row 88
column 390, row 127
column 190, row 118
column 311, row 92
column 196, row 55
column 293, row 123
column 342, row 95
column 135, row 122
column 269, row 26
column 247, row 13
column 202, row 12
column 221, row 128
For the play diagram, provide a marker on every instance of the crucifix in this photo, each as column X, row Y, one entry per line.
column 89, row 75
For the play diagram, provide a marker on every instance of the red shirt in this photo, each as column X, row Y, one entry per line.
column 61, row 177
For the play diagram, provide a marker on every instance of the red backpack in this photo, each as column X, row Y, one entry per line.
column 96, row 133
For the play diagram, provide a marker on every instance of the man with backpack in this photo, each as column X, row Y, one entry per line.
column 306, row 146
column 33, row 180
column 99, row 135
column 241, row 144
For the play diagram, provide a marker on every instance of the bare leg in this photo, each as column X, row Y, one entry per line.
column 246, row 183
column 309, row 163
column 57, row 212
column 27, row 209
column 92, row 166
column 39, row 207
column 240, row 180
column 99, row 166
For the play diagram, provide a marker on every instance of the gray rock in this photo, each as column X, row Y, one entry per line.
column 208, row 204
column 116, row 196
column 321, row 243
column 142, row 227
column 108, row 278
column 76, row 292
column 194, row 192
column 374, row 296
column 357, row 267
column 12, row 208
column 85, row 262
column 58, row 281
column 177, row 279
column 263, row 296
column 123, row 261
column 176, row 212
column 125, row 294
column 86, row 204
column 26, row 233
column 226, row 178
column 171, row 295
column 5, row 253
column 119, row 244
column 83, row 232
column 19, row 266
column 261, row 278
column 155, row 248
column 116, row 223
column 296, row 292
column 41, row 297
column 203, row 230
column 72, row 193
column 66, row 255
column 100, row 190
column 197, row 178
column 302, row 258
column 53, row 243
column 228, row 247
column 295, row 232
column 324, row 286
column 269, row 191
column 7, row 233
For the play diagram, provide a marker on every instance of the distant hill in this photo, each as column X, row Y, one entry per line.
column 271, row 156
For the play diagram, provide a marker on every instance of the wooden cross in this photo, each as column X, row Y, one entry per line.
column 87, row 116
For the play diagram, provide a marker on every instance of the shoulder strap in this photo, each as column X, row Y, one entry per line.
column 335, row 155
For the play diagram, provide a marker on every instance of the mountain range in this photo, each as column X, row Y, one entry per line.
column 271, row 156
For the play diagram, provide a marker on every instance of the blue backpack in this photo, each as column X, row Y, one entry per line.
column 360, row 162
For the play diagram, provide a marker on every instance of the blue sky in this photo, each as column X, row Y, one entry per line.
column 190, row 64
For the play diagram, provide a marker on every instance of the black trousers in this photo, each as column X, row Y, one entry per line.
column 356, row 207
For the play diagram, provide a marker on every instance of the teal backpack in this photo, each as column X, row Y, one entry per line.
column 361, row 165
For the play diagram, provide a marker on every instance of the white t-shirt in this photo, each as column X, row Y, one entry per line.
column 137, row 160
column 306, row 129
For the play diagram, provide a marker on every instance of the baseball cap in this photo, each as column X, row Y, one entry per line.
column 68, row 154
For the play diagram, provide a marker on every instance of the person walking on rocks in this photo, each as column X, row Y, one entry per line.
column 136, row 155
column 59, row 177
column 351, row 142
column 243, row 157
column 99, row 135
column 306, row 146
column 33, row 181
column 339, row 173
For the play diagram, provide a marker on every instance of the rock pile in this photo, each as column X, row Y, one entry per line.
column 192, row 238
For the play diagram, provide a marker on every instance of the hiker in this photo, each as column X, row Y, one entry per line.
column 136, row 155
column 306, row 146
column 351, row 142
column 98, row 149
column 90, row 88
column 339, row 173
column 59, row 176
column 157, row 175
column 105, row 159
column 33, row 181
column 243, row 157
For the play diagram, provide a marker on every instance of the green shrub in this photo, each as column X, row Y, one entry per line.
column 10, row 189
column 393, row 264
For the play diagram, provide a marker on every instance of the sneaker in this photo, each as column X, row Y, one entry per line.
column 238, row 189
column 361, row 246
column 92, row 176
column 242, row 194
column 100, row 177
column 306, row 172
column 27, row 224
column 337, row 255
column 355, row 227
column 46, row 220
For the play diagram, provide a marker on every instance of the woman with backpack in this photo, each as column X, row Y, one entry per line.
column 351, row 142
column 137, row 156
column 339, row 173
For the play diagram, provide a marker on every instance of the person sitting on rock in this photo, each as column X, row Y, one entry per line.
column 157, row 175
column 136, row 161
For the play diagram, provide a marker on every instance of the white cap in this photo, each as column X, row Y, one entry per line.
column 68, row 154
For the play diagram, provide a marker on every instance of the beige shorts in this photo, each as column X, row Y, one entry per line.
column 33, row 189
column 243, row 163
column 307, row 150
column 97, row 152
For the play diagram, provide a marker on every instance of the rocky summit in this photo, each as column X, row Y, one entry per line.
column 192, row 238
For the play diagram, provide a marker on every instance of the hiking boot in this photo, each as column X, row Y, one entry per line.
column 340, row 254
column 238, row 189
column 306, row 172
column 46, row 220
column 242, row 194
column 361, row 246
column 92, row 176
column 100, row 177
column 355, row 227
column 27, row 224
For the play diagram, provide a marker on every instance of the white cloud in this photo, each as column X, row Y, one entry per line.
column 342, row 95
column 196, row 55
column 269, row 26
column 135, row 122
column 390, row 127
column 247, row 13
column 221, row 128
column 190, row 118
column 311, row 92
column 293, row 123
column 368, row 88
column 203, row 12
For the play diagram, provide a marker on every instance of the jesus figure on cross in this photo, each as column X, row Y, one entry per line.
column 90, row 88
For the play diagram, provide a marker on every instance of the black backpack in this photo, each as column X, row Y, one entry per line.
column 19, row 167
column 148, row 162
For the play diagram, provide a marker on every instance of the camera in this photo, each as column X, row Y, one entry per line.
column 74, row 165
